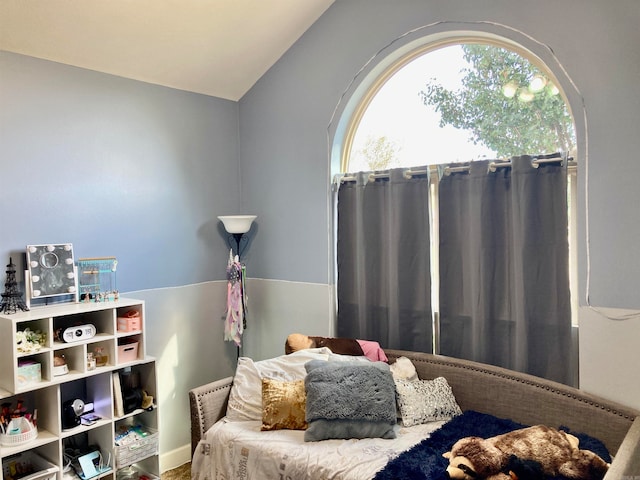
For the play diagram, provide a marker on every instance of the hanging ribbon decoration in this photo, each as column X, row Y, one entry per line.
column 235, row 322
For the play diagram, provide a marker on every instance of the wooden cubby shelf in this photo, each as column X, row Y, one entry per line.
column 98, row 364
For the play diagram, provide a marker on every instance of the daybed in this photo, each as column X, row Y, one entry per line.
column 477, row 387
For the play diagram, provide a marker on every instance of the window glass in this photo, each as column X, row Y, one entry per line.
column 460, row 103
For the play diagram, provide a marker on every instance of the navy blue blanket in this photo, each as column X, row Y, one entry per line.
column 425, row 460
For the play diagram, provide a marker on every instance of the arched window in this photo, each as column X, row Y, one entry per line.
column 457, row 103
column 467, row 105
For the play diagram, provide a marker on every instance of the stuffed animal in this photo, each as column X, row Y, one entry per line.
column 343, row 346
column 519, row 469
column 403, row 369
column 556, row 451
column 147, row 401
column 297, row 341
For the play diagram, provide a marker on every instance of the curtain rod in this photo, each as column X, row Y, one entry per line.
column 493, row 166
column 385, row 174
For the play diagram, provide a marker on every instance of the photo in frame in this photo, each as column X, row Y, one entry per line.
column 51, row 270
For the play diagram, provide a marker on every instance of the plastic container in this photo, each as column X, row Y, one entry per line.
column 130, row 321
column 133, row 473
column 128, row 352
column 129, row 324
column 28, row 432
column 29, row 373
column 28, row 466
column 137, row 450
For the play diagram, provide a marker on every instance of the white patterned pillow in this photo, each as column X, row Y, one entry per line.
column 245, row 398
column 423, row 401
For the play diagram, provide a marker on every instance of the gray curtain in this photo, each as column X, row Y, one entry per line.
column 504, row 275
column 384, row 283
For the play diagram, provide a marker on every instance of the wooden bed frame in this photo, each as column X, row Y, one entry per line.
column 504, row 393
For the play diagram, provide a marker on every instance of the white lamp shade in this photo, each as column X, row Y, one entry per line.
column 237, row 223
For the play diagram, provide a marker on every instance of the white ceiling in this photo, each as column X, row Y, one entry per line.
column 214, row 47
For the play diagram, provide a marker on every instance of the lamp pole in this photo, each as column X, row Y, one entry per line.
column 237, row 237
column 236, row 226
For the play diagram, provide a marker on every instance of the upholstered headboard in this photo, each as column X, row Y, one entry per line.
column 488, row 389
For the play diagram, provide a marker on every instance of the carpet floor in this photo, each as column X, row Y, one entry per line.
column 183, row 472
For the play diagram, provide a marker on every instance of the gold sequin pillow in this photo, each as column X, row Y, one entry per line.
column 283, row 405
column 423, row 401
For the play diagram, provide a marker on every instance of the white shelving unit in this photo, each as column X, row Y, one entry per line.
column 126, row 352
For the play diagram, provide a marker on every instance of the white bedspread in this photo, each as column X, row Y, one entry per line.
column 240, row 451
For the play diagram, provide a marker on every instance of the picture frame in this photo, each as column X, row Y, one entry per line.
column 51, row 270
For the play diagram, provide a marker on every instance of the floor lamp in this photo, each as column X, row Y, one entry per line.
column 236, row 226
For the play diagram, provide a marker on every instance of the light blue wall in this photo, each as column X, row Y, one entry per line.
column 118, row 168
column 284, row 120
column 141, row 172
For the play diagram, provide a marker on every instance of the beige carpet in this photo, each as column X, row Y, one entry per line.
column 183, row 472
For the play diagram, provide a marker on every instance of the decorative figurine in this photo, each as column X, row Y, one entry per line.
column 12, row 298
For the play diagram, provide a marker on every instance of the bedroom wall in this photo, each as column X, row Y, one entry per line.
column 140, row 172
column 117, row 167
column 284, row 145
column 164, row 163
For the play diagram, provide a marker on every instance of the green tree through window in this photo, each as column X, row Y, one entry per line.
column 459, row 103
column 380, row 153
column 506, row 103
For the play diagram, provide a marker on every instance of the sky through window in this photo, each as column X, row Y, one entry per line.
column 398, row 113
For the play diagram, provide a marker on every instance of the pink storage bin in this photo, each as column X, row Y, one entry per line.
column 128, row 352
column 129, row 324
column 131, row 321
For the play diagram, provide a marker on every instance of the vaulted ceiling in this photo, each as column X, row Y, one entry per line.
column 214, row 47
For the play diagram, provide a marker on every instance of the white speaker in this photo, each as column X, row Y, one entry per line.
column 75, row 334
